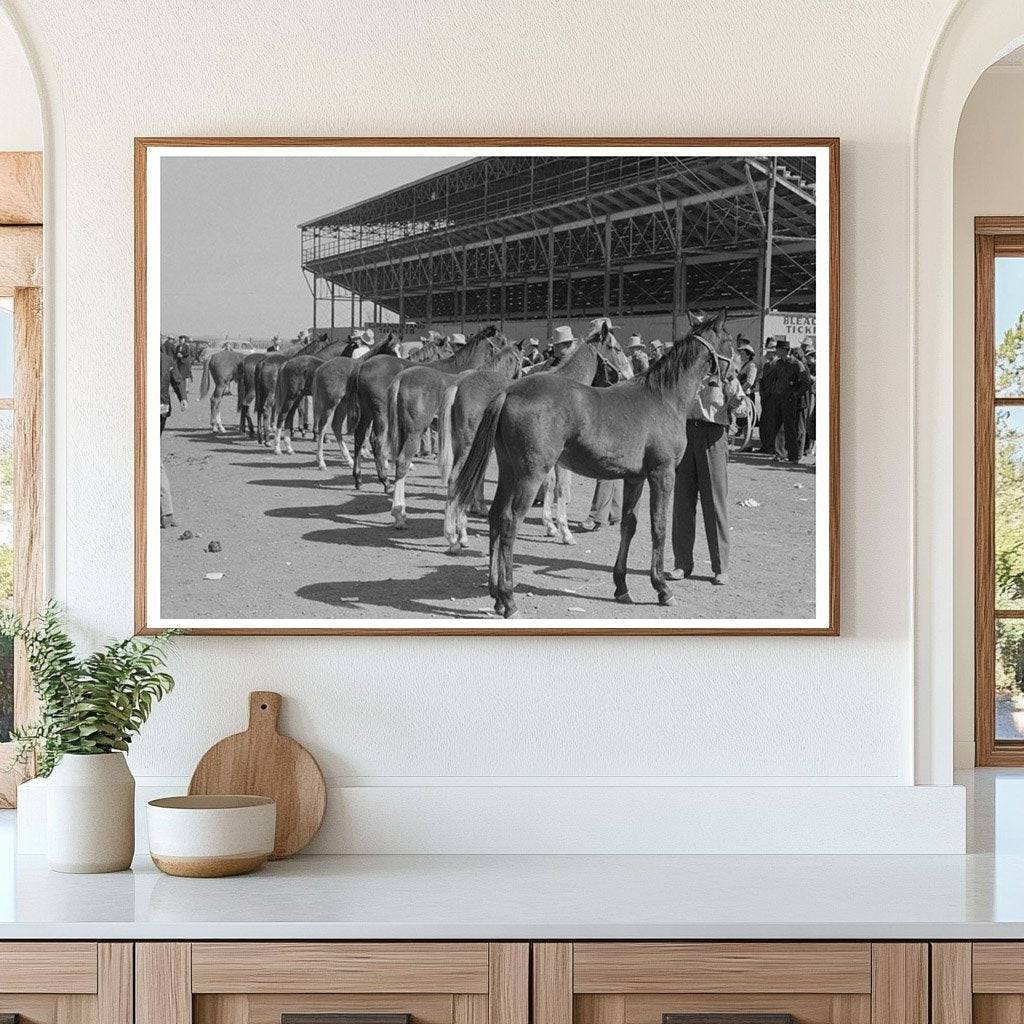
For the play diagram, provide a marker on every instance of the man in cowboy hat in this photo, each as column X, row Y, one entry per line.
column 657, row 348
column 362, row 344
column 748, row 368
column 638, row 354
column 563, row 343
column 790, row 389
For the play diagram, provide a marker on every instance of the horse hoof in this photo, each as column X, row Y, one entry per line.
column 400, row 520
column 624, row 597
column 511, row 611
column 666, row 600
column 454, row 548
column 357, row 485
column 549, row 530
column 567, row 538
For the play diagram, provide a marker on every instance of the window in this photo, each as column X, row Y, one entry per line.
column 999, row 490
column 6, row 510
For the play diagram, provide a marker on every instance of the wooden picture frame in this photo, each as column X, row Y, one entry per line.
column 826, row 620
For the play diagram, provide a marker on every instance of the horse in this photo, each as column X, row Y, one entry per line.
column 414, row 397
column 266, row 382
column 367, row 398
column 295, row 383
column 463, row 407
column 633, row 431
column 331, row 382
column 219, row 370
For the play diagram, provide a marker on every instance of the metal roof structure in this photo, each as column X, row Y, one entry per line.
column 509, row 238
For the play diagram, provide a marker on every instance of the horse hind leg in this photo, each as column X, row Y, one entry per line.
column 509, row 519
column 402, row 462
column 563, row 494
column 661, row 499
column 338, row 422
column 550, row 530
column 631, row 491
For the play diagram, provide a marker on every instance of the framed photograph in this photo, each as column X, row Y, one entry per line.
column 487, row 386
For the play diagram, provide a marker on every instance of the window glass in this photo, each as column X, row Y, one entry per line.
column 1009, row 327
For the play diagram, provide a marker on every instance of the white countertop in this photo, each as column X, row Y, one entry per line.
column 978, row 896
column 532, row 897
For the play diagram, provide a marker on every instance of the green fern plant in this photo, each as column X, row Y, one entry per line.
column 90, row 705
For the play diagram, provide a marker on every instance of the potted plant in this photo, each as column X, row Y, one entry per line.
column 89, row 710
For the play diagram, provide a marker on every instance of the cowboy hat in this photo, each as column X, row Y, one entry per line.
column 533, row 342
column 563, row 336
column 357, row 336
column 601, row 321
column 457, row 340
column 745, row 348
column 635, row 341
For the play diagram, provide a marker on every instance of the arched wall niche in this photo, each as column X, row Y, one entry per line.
column 975, row 35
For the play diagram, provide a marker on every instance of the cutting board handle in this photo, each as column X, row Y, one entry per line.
column 264, row 710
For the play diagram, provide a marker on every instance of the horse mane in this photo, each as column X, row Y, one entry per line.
column 384, row 345
column 506, row 361
column 664, row 375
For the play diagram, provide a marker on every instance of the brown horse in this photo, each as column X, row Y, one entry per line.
column 219, row 370
column 331, row 383
column 414, row 397
column 266, row 383
column 295, row 383
column 463, row 407
column 633, row 431
column 367, row 399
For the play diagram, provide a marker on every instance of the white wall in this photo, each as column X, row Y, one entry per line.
column 988, row 181
column 441, row 714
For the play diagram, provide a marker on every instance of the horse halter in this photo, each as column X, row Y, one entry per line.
column 716, row 358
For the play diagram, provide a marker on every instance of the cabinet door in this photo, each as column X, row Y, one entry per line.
column 980, row 982
column 736, row 982
column 332, row 983
column 66, row 982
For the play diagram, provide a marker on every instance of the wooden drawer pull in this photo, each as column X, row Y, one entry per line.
column 340, row 1018
column 728, row 1018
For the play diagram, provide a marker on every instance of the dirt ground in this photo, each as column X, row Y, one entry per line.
column 297, row 542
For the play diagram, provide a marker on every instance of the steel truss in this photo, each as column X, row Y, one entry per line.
column 562, row 237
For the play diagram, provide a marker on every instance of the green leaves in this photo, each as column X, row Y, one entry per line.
column 91, row 705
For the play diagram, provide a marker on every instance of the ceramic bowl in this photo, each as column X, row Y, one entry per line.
column 211, row 836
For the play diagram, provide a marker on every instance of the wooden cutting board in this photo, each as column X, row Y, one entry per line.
column 262, row 762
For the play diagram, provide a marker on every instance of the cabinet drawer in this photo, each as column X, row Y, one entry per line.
column 48, row 967
column 635, row 967
column 340, row 967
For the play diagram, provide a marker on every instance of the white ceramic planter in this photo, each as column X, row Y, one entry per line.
column 90, row 814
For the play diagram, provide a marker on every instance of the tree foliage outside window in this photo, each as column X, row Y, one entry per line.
column 1009, row 508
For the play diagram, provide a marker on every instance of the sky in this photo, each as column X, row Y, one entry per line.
column 1009, row 293
column 229, row 237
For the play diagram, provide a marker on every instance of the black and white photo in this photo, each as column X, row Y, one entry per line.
column 461, row 387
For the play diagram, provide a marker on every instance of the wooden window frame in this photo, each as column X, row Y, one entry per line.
column 21, row 269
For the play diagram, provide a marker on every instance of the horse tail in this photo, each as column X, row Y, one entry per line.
column 351, row 400
column 239, row 376
column 474, row 467
column 204, row 387
column 394, row 436
column 446, row 448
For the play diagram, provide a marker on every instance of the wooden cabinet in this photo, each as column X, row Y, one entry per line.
column 815, row 982
column 66, row 982
column 259, row 982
